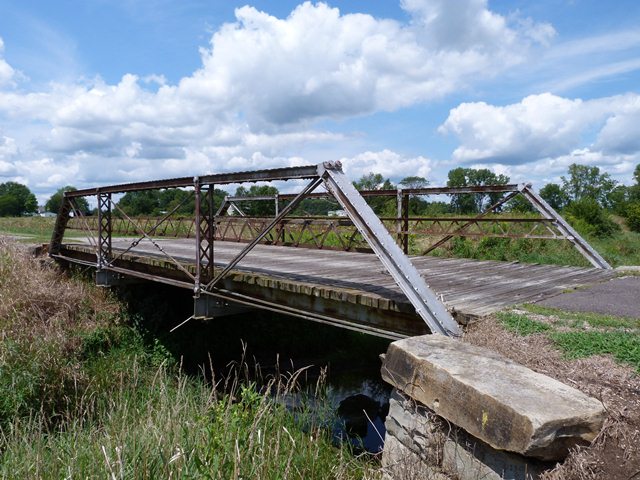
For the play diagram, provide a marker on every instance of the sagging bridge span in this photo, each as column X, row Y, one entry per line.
column 320, row 268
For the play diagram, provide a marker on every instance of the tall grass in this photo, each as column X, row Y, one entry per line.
column 84, row 394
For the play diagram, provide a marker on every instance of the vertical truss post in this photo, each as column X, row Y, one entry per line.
column 104, row 229
column 405, row 224
column 265, row 231
column 423, row 299
column 198, row 231
column 399, row 216
column 277, row 202
column 207, row 232
column 567, row 230
column 402, row 223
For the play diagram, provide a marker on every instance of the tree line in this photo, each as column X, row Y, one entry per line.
column 586, row 195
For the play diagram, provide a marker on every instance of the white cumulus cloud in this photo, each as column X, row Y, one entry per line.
column 542, row 126
column 6, row 71
column 263, row 86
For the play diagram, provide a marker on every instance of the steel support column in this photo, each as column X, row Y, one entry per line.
column 61, row 224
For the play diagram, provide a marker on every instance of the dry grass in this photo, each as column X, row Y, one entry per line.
column 43, row 317
column 615, row 454
column 83, row 395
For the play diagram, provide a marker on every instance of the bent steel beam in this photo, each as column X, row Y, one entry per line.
column 423, row 299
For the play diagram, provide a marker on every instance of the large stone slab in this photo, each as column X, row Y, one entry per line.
column 497, row 400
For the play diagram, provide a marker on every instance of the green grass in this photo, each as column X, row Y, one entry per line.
column 579, row 334
column 622, row 248
column 85, row 393
column 34, row 229
column 593, row 319
column 623, row 346
column 521, row 324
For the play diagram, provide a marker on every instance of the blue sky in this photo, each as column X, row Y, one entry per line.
column 104, row 91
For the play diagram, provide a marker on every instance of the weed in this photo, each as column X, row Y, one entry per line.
column 84, row 394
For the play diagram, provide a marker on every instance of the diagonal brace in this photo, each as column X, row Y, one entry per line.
column 423, row 299
column 449, row 236
column 284, row 212
column 567, row 230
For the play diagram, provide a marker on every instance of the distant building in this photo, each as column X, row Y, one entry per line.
column 337, row 213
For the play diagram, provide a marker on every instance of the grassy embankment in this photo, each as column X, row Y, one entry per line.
column 597, row 354
column 86, row 394
column 579, row 335
column 31, row 229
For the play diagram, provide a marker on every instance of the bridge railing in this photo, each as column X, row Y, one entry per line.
column 336, row 233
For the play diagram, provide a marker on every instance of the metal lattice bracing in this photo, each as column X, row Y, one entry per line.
column 104, row 229
column 205, row 233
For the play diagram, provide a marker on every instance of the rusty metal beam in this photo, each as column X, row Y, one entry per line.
column 290, row 173
column 424, row 300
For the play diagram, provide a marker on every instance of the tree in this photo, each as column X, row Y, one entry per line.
column 587, row 182
column 589, row 217
column 555, row 196
column 417, row 203
column 160, row 202
column 618, row 199
column 55, row 200
column 414, row 182
column 634, row 190
column 380, row 205
column 519, row 204
column 471, row 177
column 370, row 181
column 633, row 217
column 258, row 208
column 16, row 200
column 142, row 202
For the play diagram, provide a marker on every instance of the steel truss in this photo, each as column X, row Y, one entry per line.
column 363, row 229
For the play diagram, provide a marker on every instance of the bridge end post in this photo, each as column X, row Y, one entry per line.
column 64, row 213
column 563, row 226
column 423, row 299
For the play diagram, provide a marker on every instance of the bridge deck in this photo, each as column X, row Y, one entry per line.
column 473, row 288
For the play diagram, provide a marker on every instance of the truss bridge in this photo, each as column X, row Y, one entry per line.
column 354, row 270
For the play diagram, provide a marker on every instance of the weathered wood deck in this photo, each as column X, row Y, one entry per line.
column 355, row 286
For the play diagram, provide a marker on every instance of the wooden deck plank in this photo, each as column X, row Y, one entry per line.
column 471, row 287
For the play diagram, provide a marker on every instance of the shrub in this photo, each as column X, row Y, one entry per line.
column 633, row 216
column 588, row 217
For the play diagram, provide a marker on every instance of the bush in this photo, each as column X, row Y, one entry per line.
column 633, row 216
column 588, row 217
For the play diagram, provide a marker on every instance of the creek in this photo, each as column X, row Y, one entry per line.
column 348, row 362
